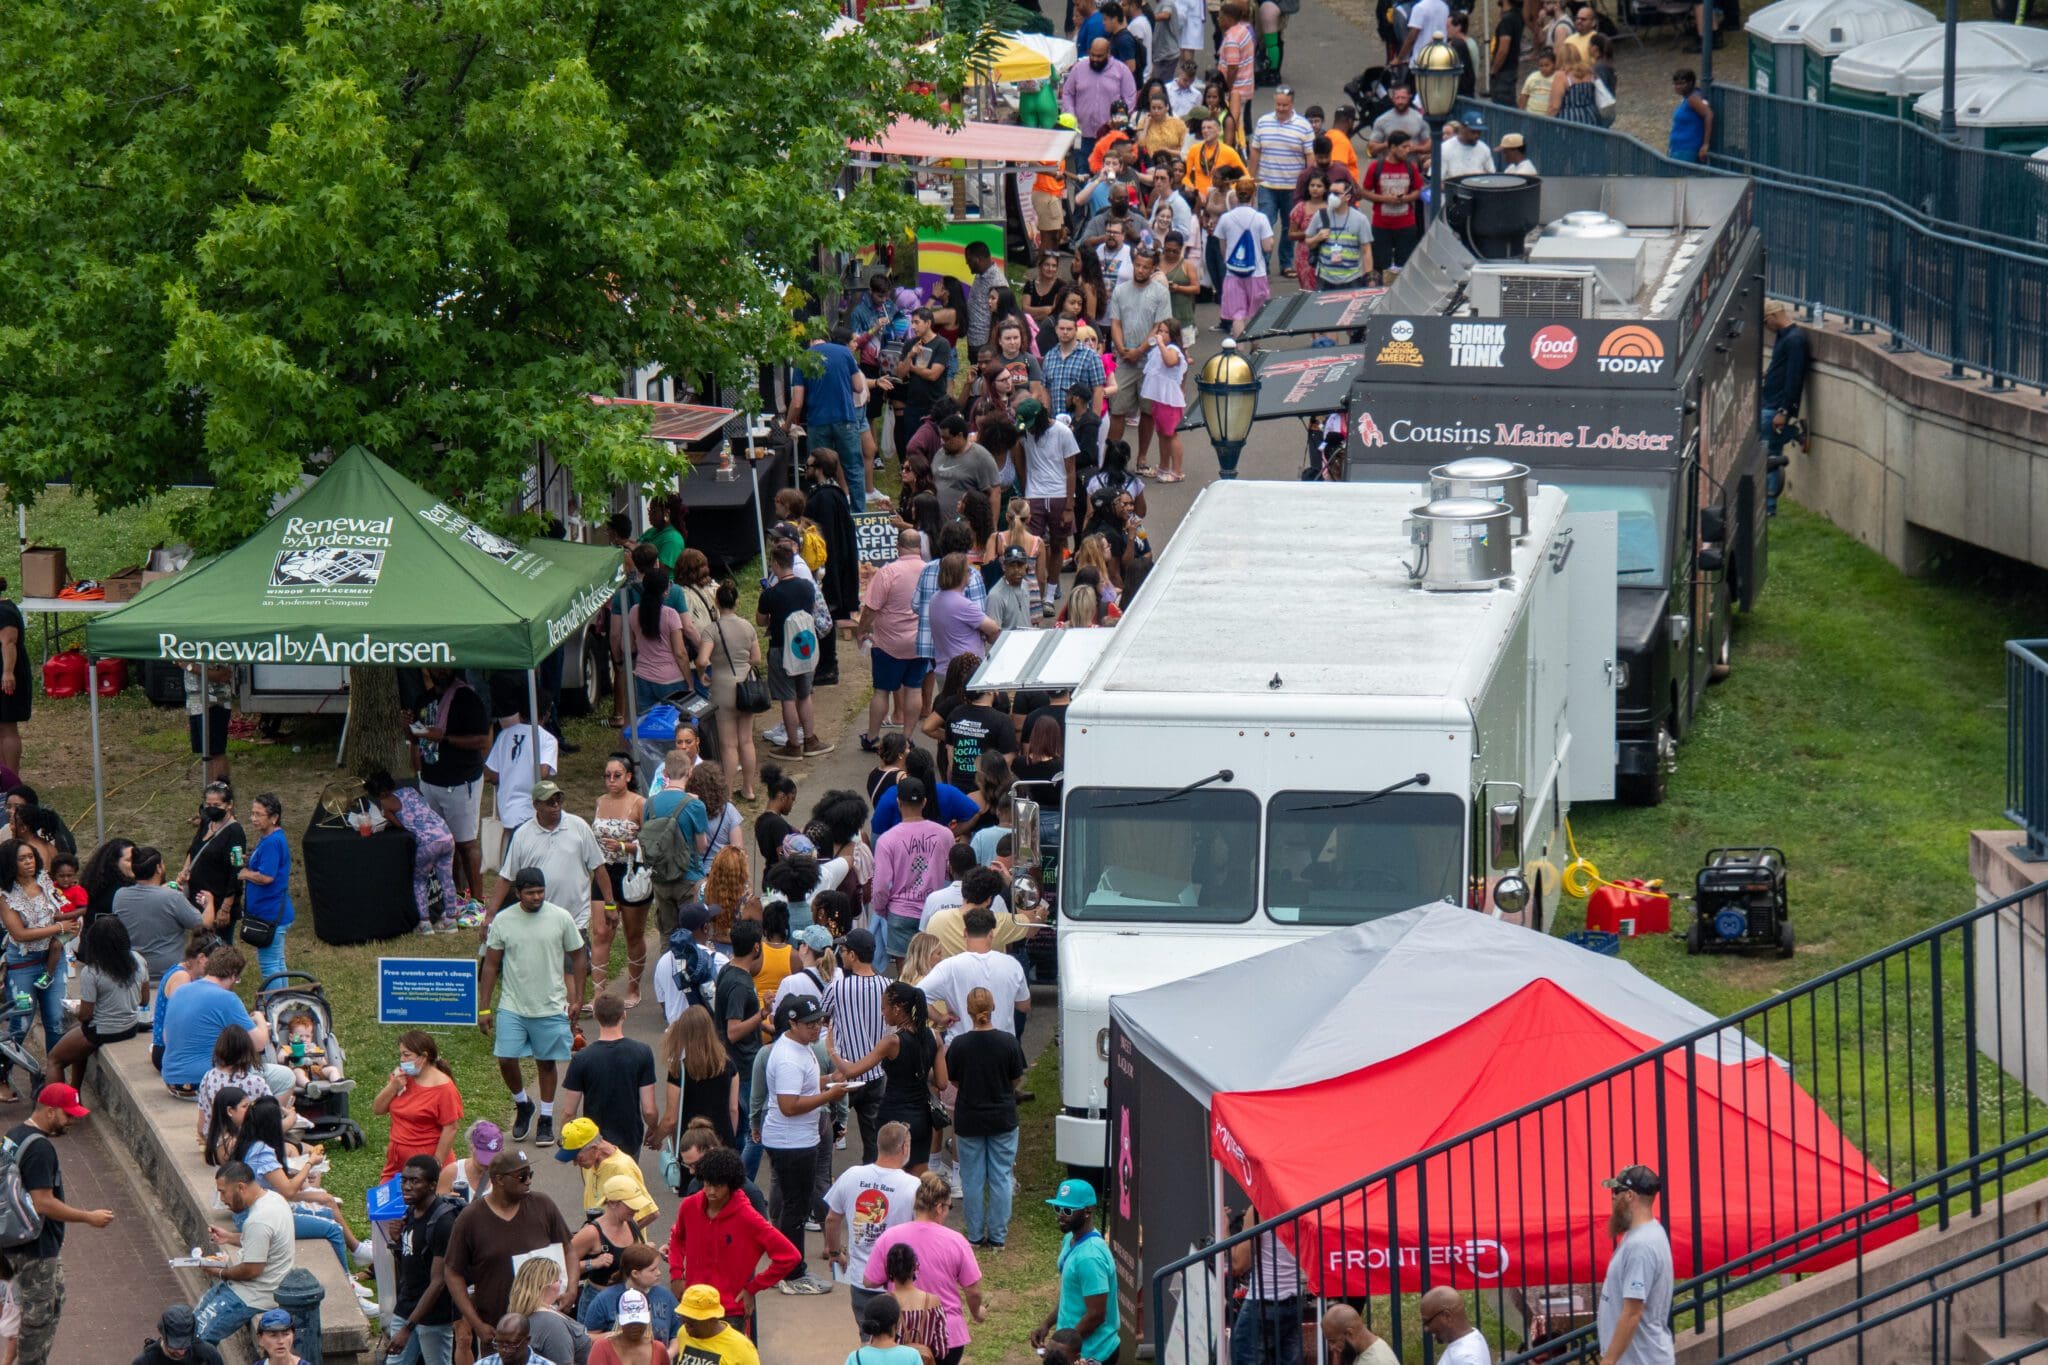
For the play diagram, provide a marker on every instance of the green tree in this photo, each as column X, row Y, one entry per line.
column 238, row 233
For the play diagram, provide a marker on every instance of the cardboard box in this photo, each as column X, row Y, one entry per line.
column 122, row 586
column 43, row 571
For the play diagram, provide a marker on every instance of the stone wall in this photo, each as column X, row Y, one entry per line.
column 1897, row 449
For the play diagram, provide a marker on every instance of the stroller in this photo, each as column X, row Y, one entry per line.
column 324, row 1104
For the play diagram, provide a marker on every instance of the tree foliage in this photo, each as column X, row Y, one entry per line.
column 238, row 233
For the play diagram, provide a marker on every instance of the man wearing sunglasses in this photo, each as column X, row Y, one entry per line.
column 1444, row 1318
column 1635, row 1297
column 507, row 1223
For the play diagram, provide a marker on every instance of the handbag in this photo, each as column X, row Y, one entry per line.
column 749, row 694
column 671, row 1157
column 941, row 1120
column 638, row 883
column 257, row 933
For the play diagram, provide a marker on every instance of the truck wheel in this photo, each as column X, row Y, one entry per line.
column 1784, row 938
column 1723, row 659
column 1692, row 937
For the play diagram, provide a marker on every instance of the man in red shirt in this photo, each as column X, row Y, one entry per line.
column 1394, row 183
column 720, row 1237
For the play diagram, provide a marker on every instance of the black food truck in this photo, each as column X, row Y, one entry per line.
column 1605, row 333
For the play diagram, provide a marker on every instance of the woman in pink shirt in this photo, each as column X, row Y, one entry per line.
column 945, row 1262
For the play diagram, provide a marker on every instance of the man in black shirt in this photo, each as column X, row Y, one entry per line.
column 791, row 593
column 972, row 728
column 612, row 1080
column 423, row 1307
column 920, row 374
column 38, row 1267
column 452, row 735
column 214, row 859
column 177, row 1341
column 1505, row 59
column 739, row 1006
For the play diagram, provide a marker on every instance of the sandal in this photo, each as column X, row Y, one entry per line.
column 1144, row 471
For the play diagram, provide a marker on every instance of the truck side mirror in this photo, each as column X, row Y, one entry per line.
column 1713, row 525
column 1026, row 862
column 1713, row 559
column 1504, row 835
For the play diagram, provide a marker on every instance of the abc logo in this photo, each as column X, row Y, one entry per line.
column 1631, row 350
column 1402, row 330
column 1554, row 347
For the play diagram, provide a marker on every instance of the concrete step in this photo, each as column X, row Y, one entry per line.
column 2038, row 1317
column 1983, row 1344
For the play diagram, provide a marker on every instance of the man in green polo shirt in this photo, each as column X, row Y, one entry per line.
column 1087, row 1277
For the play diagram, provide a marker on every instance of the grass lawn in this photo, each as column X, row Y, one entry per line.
column 1862, row 732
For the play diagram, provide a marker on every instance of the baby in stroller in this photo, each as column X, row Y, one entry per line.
column 310, row 1056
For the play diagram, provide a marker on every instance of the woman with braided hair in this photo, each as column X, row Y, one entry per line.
column 913, row 1068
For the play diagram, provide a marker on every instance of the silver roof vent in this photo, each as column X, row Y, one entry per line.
column 1462, row 545
column 1587, row 224
column 1489, row 479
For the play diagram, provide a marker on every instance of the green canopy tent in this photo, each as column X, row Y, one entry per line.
column 364, row 567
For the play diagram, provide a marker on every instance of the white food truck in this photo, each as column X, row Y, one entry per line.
column 1329, row 702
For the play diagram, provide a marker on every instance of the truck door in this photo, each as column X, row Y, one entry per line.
column 1589, row 572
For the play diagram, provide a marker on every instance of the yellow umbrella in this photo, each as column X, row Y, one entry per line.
column 1011, row 60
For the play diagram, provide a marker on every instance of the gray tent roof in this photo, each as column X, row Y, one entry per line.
column 1331, row 1005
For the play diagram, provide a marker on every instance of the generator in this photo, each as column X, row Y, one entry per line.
column 1739, row 903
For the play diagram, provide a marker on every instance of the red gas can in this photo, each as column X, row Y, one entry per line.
column 1629, row 907
column 64, row 674
column 113, row 676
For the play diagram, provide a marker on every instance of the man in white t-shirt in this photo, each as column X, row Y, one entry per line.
column 258, row 1259
column 1045, row 460
column 1426, row 20
column 510, row 766
column 789, row 1127
column 1444, row 1317
column 979, row 965
column 865, row 1202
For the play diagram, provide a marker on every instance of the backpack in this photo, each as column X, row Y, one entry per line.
column 696, row 973
column 20, row 1224
column 666, row 852
column 813, row 547
column 799, row 643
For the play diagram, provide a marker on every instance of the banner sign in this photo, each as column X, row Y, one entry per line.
column 427, row 992
column 1412, row 425
column 1328, row 310
column 1568, row 352
column 874, row 537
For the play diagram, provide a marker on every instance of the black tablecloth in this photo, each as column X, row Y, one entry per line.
column 361, row 889
column 723, row 515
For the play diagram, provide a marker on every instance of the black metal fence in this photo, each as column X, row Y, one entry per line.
column 1996, row 197
column 1803, row 1132
column 2026, row 741
column 1979, row 307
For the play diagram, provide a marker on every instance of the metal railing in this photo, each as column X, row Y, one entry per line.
column 2026, row 743
column 1978, row 307
column 1998, row 197
column 1892, row 1082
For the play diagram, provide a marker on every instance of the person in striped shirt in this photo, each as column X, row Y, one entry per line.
column 853, row 1005
column 1282, row 143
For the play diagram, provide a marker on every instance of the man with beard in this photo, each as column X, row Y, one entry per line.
column 1351, row 1342
column 1087, row 1301
column 1092, row 88
column 1635, row 1298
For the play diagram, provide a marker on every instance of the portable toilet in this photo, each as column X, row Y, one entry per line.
column 1998, row 113
column 1886, row 75
column 1834, row 28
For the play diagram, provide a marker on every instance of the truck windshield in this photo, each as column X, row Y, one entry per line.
column 1193, row 859
column 1328, row 862
column 1641, row 525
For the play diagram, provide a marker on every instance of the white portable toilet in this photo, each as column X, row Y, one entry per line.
column 1833, row 27
column 1887, row 75
column 1997, row 113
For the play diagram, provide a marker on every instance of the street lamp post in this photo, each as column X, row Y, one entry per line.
column 1230, row 397
column 1435, row 74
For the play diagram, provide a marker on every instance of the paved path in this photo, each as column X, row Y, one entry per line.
column 117, row 1281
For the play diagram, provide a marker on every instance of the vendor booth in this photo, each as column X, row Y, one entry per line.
column 364, row 567
column 1277, row 1081
column 986, row 168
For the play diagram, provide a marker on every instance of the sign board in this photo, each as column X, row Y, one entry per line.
column 1298, row 383
column 874, row 537
column 1329, row 310
column 1417, row 426
column 427, row 992
column 1549, row 352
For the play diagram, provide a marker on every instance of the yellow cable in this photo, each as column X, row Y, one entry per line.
column 1581, row 876
column 79, row 823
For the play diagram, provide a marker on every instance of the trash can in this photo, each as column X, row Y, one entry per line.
column 1886, row 76
column 299, row 1294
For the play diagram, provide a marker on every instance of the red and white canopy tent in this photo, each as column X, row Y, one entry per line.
column 974, row 146
column 1308, row 1068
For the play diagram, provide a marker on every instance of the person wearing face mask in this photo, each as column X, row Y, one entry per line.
column 218, row 848
column 1340, row 237
column 423, row 1102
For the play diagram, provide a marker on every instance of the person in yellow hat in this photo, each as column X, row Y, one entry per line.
column 600, row 1163
column 707, row 1336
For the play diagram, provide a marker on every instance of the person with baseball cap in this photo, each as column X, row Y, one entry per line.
column 39, row 1269
column 601, row 1163
column 789, row 1126
column 1087, row 1299
column 529, row 950
column 177, row 1341
column 276, row 1339
column 1634, row 1321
